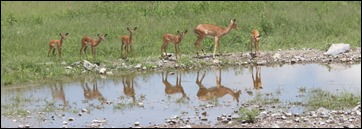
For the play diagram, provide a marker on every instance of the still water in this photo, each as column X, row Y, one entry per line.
column 149, row 98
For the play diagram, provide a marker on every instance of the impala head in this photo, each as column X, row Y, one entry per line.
column 233, row 22
column 182, row 34
column 255, row 34
column 63, row 36
column 132, row 30
column 102, row 37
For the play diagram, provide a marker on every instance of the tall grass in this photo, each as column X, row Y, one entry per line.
column 27, row 27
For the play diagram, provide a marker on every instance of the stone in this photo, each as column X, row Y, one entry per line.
column 336, row 49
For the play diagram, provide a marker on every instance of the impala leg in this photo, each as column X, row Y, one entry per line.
column 216, row 44
column 60, row 52
column 250, row 45
column 255, row 45
column 50, row 49
column 176, row 50
column 198, row 46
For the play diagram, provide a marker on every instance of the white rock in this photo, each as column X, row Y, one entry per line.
column 335, row 49
column 102, row 70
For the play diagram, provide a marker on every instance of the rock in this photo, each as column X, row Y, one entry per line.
column 102, row 70
column 288, row 114
column 141, row 104
column 275, row 126
column 84, row 110
column 136, row 123
column 99, row 121
column 64, row 126
column 68, row 67
column 235, row 116
column 335, row 49
column 277, row 115
column 70, row 119
column 186, row 126
column 297, row 119
column 88, row 66
column 276, row 56
column 138, row 66
column 262, row 62
column 65, row 123
column 75, row 63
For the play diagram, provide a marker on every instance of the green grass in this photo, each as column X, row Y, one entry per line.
column 318, row 98
column 27, row 27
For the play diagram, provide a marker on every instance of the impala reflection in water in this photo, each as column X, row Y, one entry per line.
column 216, row 91
column 161, row 95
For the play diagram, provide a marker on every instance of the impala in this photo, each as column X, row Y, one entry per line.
column 176, row 40
column 57, row 44
column 127, row 41
column 255, row 38
column 173, row 89
column 213, row 31
column 214, row 92
column 88, row 41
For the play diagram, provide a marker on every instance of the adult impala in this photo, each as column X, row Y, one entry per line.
column 175, row 39
column 214, row 92
column 255, row 39
column 93, row 43
column 57, row 44
column 127, row 41
column 213, row 31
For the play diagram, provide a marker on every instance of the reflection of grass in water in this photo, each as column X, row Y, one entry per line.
column 318, row 98
column 15, row 107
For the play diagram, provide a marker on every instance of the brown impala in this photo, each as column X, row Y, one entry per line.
column 213, row 31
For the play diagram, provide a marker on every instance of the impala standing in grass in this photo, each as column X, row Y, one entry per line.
column 213, row 31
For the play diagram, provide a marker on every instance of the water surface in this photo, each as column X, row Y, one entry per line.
column 168, row 93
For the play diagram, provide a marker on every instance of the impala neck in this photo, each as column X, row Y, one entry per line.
column 97, row 42
column 130, row 37
column 61, row 41
column 227, row 29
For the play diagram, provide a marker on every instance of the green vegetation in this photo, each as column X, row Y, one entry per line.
column 27, row 27
column 248, row 115
column 319, row 98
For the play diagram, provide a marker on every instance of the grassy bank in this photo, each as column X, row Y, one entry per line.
column 27, row 27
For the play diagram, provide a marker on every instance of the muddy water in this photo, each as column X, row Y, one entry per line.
column 151, row 97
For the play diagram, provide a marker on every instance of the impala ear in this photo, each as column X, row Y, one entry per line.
column 98, row 35
column 127, row 28
column 105, row 35
column 135, row 28
column 178, row 32
column 66, row 34
column 185, row 31
column 234, row 20
column 60, row 34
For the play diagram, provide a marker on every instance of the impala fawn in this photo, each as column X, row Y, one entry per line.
column 88, row 41
column 213, row 31
column 257, row 80
column 127, row 41
column 214, row 92
column 57, row 44
column 173, row 89
column 176, row 40
column 255, row 38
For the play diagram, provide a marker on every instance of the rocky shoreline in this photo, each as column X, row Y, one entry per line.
column 320, row 118
column 279, row 57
